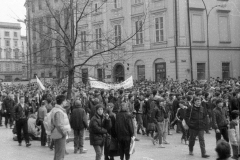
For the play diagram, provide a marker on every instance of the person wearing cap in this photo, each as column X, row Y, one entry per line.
column 98, row 128
column 220, row 121
column 78, row 122
column 196, row 121
column 233, row 133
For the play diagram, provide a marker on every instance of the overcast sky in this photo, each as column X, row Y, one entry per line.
column 11, row 10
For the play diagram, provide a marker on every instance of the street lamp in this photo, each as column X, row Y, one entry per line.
column 28, row 48
column 207, row 15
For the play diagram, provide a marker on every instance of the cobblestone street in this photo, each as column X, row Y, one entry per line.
column 145, row 150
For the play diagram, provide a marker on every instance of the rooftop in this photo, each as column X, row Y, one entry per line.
column 10, row 25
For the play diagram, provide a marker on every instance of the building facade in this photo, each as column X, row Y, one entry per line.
column 11, row 52
column 155, row 41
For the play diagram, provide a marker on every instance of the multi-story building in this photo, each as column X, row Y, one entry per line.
column 10, row 51
column 167, row 39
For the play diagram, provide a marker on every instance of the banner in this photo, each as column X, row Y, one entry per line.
column 40, row 84
column 128, row 83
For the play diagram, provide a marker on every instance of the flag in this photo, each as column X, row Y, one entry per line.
column 40, row 84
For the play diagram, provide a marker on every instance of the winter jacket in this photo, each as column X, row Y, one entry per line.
column 20, row 112
column 196, row 118
column 78, row 119
column 234, row 104
column 8, row 105
column 124, row 126
column 158, row 114
column 219, row 118
column 98, row 128
column 181, row 113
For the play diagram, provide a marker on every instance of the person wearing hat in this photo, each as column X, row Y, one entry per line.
column 233, row 133
column 78, row 122
column 98, row 127
column 220, row 121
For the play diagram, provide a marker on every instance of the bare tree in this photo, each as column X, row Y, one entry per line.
column 69, row 41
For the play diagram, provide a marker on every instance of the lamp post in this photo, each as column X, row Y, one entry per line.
column 207, row 16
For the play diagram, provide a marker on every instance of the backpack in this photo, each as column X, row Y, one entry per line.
column 48, row 123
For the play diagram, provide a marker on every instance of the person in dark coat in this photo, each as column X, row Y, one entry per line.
column 181, row 114
column 124, row 130
column 111, row 133
column 196, row 121
column 78, row 122
column 8, row 108
column 98, row 128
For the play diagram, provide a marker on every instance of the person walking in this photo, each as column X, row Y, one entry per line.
column 21, row 113
column 196, row 120
column 98, row 127
column 61, row 127
column 220, row 121
column 124, row 130
column 78, row 121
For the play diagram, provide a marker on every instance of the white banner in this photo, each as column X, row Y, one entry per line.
column 97, row 84
column 40, row 84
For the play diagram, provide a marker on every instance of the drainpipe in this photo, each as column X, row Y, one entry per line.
column 176, row 39
column 190, row 40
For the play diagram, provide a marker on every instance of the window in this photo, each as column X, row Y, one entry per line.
column 8, row 78
column 98, row 38
column 16, row 67
column 7, row 43
column 95, row 7
column 16, row 54
column 139, row 32
column 34, row 31
column 224, row 29
column 42, row 75
column 15, row 34
column 117, row 35
column 159, row 29
column 117, row 3
column 197, row 28
column 141, row 72
column 40, row 27
column 33, row 7
column 226, row 70
column 8, row 66
column 7, row 34
column 55, row 0
column 49, row 24
column 8, row 53
column 1, row 67
column 101, row 74
column 160, row 71
column 201, row 71
column 40, row 4
column 85, row 75
column 15, row 43
column 34, row 53
column 57, row 20
column 83, row 41
column 50, row 74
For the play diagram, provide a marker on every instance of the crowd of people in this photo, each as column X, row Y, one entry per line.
column 115, row 118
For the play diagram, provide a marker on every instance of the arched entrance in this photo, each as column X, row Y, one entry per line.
column 118, row 73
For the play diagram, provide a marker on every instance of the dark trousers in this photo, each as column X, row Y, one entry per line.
column 124, row 148
column 22, row 125
column 224, row 133
column 184, row 132
column 59, row 151
column 8, row 119
column 43, row 134
column 78, row 139
column 193, row 135
column 0, row 117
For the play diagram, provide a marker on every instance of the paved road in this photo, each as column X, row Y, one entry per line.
column 9, row 149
